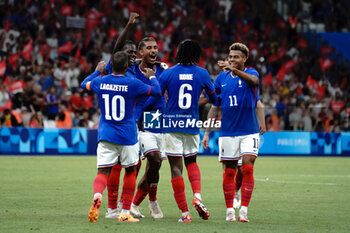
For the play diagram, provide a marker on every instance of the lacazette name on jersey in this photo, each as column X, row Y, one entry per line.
column 113, row 87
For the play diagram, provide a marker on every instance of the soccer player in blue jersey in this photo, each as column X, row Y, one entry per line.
column 239, row 133
column 117, row 134
column 184, row 83
column 129, row 47
column 150, row 139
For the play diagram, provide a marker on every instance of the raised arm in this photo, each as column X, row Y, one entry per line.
column 99, row 69
column 122, row 37
column 248, row 78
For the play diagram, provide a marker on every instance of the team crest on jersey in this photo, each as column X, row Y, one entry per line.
column 152, row 120
column 239, row 83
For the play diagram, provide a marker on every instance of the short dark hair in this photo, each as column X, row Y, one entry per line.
column 119, row 62
column 188, row 52
column 142, row 43
column 241, row 47
column 128, row 42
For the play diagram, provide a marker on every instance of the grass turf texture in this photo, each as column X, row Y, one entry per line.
column 54, row 194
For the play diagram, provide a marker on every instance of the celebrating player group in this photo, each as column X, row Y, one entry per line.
column 131, row 90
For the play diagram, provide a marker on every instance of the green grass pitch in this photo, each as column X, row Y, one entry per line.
column 292, row 194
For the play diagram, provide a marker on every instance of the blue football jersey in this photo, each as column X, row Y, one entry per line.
column 159, row 104
column 238, row 104
column 129, row 73
column 117, row 97
column 184, row 85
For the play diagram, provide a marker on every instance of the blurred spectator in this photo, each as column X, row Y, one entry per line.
column 52, row 101
column 64, row 120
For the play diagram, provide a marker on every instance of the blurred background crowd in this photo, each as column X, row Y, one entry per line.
column 48, row 47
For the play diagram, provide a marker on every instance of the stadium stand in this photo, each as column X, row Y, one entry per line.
column 57, row 43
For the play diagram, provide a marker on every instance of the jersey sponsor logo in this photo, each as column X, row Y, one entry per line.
column 186, row 76
column 223, row 85
column 113, row 87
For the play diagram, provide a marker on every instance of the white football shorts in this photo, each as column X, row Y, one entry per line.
column 108, row 154
column 181, row 144
column 232, row 148
column 150, row 142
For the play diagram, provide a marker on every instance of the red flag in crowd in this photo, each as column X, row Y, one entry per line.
column 92, row 18
column 77, row 53
column 280, row 53
column 66, row 10
column 138, row 35
column 267, row 79
column 7, row 25
column 17, row 86
column 302, row 43
column 112, row 33
column 311, row 83
column 201, row 62
column 13, row 58
column 326, row 63
column 27, row 50
column 168, row 30
column 2, row 67
column 46, row 12
column 326, row 50
column 285, row 69
column 293, row 21
column 208, row 52
column 66, row 48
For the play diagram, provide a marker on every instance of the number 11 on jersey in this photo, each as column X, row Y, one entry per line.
column 233, row 100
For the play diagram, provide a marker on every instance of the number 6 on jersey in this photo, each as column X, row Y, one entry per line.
column 185, row 97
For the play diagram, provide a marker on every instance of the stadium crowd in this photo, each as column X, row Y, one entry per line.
column 48, row 47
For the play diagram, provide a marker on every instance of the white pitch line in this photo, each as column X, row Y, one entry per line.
column 294, row 182
column 310, row 175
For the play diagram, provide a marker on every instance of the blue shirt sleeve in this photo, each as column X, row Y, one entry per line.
column 144, row 89
column 217, row 85
column 87, row 81
column 209, row 88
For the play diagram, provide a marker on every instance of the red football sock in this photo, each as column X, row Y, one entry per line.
column 247, row 184
column 128, row 189
column 152, row 192
column 113, row 186
column 194, row 175
column 179, row 193
column 140, row 195
column 100, row 183
column 228, row 185
column 239, row 179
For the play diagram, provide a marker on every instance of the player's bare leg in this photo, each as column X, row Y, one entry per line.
column 194, row 176
column 247, row 186
column 178, row 185
column 228, row 184
column 99, row 186
column 155, row 162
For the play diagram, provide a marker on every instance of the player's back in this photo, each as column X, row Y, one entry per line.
column 117, row 96
column 184, row 85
